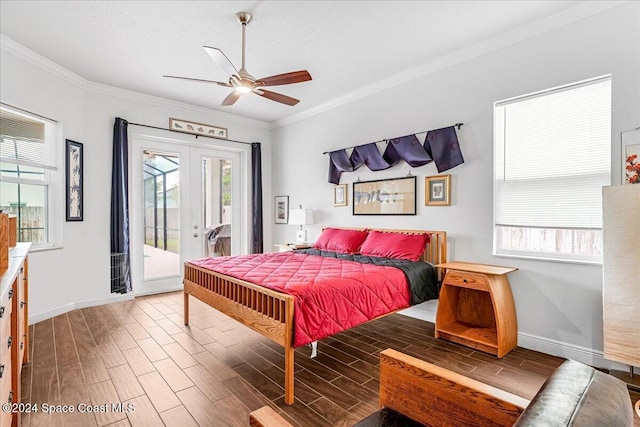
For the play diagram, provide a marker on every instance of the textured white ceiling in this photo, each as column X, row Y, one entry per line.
column 345, row 45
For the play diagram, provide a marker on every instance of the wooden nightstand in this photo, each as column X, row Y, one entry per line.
column 476, row 307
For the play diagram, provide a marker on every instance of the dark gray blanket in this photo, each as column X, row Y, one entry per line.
column 421, row 275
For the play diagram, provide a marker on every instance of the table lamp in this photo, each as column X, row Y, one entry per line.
column 301, row 217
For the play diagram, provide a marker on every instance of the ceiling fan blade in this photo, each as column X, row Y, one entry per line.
column 286, row 78
column 199, row 80
column 231, row 99
column 278, row 97
column 221, row 59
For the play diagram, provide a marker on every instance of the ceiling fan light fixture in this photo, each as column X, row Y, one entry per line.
column 242, row 89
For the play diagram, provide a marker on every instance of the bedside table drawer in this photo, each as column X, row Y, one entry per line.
column 468, row 280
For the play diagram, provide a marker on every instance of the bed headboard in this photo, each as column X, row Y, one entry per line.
column 436, row 250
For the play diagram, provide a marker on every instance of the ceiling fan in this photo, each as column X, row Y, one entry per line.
column 242, row 82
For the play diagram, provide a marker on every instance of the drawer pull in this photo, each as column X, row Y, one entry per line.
column 464, row 280
column 10, row 293
column 1, row 312
column 10, row 397
column 21, row 345
column 22, row 303
column 9, row 341
column 1, row 370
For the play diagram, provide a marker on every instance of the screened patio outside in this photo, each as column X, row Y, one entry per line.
column 161, row 215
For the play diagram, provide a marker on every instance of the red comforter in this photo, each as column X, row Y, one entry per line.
column 331, row 295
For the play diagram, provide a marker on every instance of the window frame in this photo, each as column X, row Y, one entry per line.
column 52, row 179
column 540, row 255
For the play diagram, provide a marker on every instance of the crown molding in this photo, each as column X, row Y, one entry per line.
column 577, row 13
column 176, row 105
column 9, row 45
column 26, row 54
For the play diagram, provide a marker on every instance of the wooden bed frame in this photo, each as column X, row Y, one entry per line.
column 270, row 312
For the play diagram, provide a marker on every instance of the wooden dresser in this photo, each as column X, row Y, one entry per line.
column 14, row 331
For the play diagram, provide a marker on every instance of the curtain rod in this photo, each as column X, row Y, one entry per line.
column 458, row 125
column 187, row 133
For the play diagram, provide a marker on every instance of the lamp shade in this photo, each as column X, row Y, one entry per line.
column 301, row 216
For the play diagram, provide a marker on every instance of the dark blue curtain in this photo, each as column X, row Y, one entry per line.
column 120, row 252
column 256, row 197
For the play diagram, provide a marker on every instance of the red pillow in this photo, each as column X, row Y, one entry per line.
column 340, row 240
column 395, row 245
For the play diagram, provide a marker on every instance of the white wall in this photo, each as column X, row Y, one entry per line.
column 77, row 274
column 555, row 302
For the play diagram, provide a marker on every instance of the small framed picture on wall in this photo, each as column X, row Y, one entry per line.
column 437, row 190
column 340, row 195
column 73, row 180
column 282, row 209
column 631, row 156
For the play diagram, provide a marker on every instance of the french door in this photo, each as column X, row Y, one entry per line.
column 186, row 203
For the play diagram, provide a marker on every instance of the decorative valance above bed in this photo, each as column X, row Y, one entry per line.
column 440, row 146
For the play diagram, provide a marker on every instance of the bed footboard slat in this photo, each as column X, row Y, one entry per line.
column 268, row 312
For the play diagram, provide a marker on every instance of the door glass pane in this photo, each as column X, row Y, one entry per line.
column 216, row 197
column 161, row 194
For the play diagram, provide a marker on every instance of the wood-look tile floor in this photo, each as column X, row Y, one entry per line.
column 215, row 371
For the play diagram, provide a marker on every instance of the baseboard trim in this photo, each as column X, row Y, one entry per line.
column 161, row 291
column 92, row 303
column 581, row 354
column 73, row 306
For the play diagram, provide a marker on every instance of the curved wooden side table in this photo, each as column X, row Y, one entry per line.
column 476, row 307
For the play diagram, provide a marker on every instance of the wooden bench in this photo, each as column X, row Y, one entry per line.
column 414, row 392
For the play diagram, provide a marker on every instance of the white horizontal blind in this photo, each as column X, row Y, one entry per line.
column 27, row 174
column 552, row 157
column 22, row 139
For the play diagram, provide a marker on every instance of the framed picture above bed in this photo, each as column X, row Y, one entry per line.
column 437, row 190
column 395, row 196
column 340, row 195
column 281, row 207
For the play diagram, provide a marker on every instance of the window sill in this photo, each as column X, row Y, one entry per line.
column 45, row 248
column 549, row 259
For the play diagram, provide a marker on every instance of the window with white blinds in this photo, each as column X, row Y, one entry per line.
column 27, row 173
column 552, row 158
